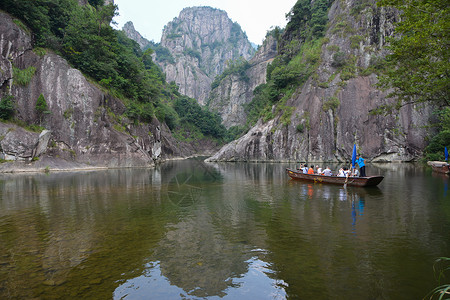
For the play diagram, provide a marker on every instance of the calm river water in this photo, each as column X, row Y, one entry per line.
column 191, row 230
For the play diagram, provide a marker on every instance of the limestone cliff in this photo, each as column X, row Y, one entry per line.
column 230, row 96
column 133, row 34
column 201, row 40
column 85, row 2
column 332, row 110
column 85, row 124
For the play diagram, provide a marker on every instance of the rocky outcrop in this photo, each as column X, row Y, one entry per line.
column 18, row 144
column 86, row 125
column 133, row 34
column 13, row 43
column 332, row 111
column 229, row 98
column 201, row 40
column 85, row 2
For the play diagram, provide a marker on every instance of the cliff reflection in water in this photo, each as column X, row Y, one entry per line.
column 188, row 229
column 65, row 229
column 211, row 246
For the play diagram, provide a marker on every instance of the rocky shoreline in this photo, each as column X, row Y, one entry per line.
column 47, row 164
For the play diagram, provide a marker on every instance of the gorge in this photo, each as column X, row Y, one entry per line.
column 327, row 106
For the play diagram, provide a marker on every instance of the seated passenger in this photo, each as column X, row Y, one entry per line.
column 311, row 170
column 305, row 169
column 319, row 170
column 355, row 172
column 346, row 172
column 341, row 173
column 327, row 171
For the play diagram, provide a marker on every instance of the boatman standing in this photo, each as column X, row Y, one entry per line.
column 362, row 167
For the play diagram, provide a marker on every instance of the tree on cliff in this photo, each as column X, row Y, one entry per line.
column 41, row 108
column 298, row 58
column 435, row 149
column 82, row 34
column 419, row 63
column 6, row 107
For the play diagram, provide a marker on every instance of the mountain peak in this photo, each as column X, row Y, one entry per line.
column 202, row 40
column 133, row 34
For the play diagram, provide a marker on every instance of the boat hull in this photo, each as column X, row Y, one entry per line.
column 351, row 181
column 440, row 167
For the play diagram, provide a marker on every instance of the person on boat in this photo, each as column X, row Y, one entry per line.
column 301, row 167
column 305, row 169
column 355, row 172
column 327, row 171
column 319, row 170
column 346, row 172
column 362, row 167
column 341, row 173
column 311, row 170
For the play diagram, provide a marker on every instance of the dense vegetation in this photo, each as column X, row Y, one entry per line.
column 162, row 53
column 299, row 53
column 83, row 35
column 435, row 149
column 6, row 107
column 237, row 67
column 419, row 62
column 420, row 58
column 191, row 113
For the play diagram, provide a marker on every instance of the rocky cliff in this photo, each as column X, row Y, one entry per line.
column 233, row 93
column 85, row 2
column 201, row 40
column 84, row 124
column 133, row 34
column 332, row 110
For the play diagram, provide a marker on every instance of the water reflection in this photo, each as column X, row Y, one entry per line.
column 238, row 231
column 254, row 284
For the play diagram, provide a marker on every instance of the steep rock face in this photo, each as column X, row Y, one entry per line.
column 86, row 124
column 133, row 34
column 230, row 96
column 331, row 111
column 13, row 43
column 85, row 2
column 201, row 40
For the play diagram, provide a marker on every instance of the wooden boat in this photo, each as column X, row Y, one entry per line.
column 351, row 181
column 440, row 166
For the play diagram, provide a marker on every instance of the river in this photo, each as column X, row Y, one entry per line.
column 195, row 230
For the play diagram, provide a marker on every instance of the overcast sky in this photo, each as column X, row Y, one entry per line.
column 255, row 17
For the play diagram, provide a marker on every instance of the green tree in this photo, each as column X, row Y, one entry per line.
column 6, row 107
column 435, row 149
column 82, row 34
column 419, row 62
column 41, row 107
column 207, row 122
column 47, row 19
column 307, row 19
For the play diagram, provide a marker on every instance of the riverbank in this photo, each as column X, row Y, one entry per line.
column 51, row 164
column 45, row 164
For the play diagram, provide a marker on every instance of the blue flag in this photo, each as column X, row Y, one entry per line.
column 354, row 156
column 446, row 154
